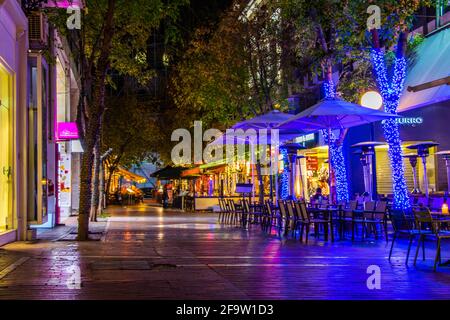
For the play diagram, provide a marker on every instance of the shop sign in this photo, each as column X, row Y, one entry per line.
column 408, row 121
column 64, row 180
column 67, row 131
column 306, row 138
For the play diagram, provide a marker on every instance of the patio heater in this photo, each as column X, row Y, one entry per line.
column 446, row 156
column 413, row 162
column 292, row 149
column 300, row 174
column 423, row 151
column 366, row 156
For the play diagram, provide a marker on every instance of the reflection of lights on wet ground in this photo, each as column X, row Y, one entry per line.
column 195, row 226
column 127, row 236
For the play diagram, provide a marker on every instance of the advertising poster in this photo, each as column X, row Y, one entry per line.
column 64, row 180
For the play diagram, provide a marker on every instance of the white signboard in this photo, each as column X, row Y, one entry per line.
column 64, row 180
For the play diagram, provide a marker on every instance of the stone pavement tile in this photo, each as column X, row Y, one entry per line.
column 149, row 253
column 7, row 259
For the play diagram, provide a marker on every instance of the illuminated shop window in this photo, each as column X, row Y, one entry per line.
column 38, row 108
column 6, row 172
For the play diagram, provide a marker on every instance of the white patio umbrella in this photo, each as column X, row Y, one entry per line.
column 333, row 113
column 267, row 121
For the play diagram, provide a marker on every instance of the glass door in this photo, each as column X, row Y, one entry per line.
column 37, row 140
column 6, row 222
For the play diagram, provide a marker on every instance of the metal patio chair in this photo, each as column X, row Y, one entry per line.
column 429, row 227
column 377, row 217
column 403, row 224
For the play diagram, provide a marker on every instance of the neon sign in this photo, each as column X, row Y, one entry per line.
column 407, row 121
column 67, row 131
column 306, row 138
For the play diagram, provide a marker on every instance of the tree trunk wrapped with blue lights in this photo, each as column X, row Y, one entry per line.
column 391, row 93
column 336, row 153
column 284, row 177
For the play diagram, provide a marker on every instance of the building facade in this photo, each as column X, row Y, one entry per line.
column 38, row 92
column 13, row 128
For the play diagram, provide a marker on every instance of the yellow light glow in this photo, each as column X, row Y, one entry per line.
column 372, row 100
column 445, row 208
column 280, row 163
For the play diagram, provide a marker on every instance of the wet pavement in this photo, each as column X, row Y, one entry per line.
column 148, row 253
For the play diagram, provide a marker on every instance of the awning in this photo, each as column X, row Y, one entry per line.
column 130, row 175
column 168, row 173
column 214, row 164
column 432, row 63
column 191, row 173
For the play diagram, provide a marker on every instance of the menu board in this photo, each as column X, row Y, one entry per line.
column 64, row 180
column 312, row 163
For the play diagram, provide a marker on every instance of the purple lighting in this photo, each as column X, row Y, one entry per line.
column 67, row 131
column 64, row 4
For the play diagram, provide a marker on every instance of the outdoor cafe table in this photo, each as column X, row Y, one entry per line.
column 327, row 212
column 440, row 217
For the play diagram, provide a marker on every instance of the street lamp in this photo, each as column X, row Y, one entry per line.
column 372, row 100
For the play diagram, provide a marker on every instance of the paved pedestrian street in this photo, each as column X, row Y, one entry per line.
column 148, row 253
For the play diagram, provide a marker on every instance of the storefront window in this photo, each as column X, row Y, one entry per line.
column 317, row 171
column 6, row 173
column 37, row 140
column 383, row 170
column 32, row 145
column 43, row 121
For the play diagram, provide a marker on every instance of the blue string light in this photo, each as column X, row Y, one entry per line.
column 329, row 89
column 339, row 167
column 337, row 160
column 391, row 94
column 284, row 183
